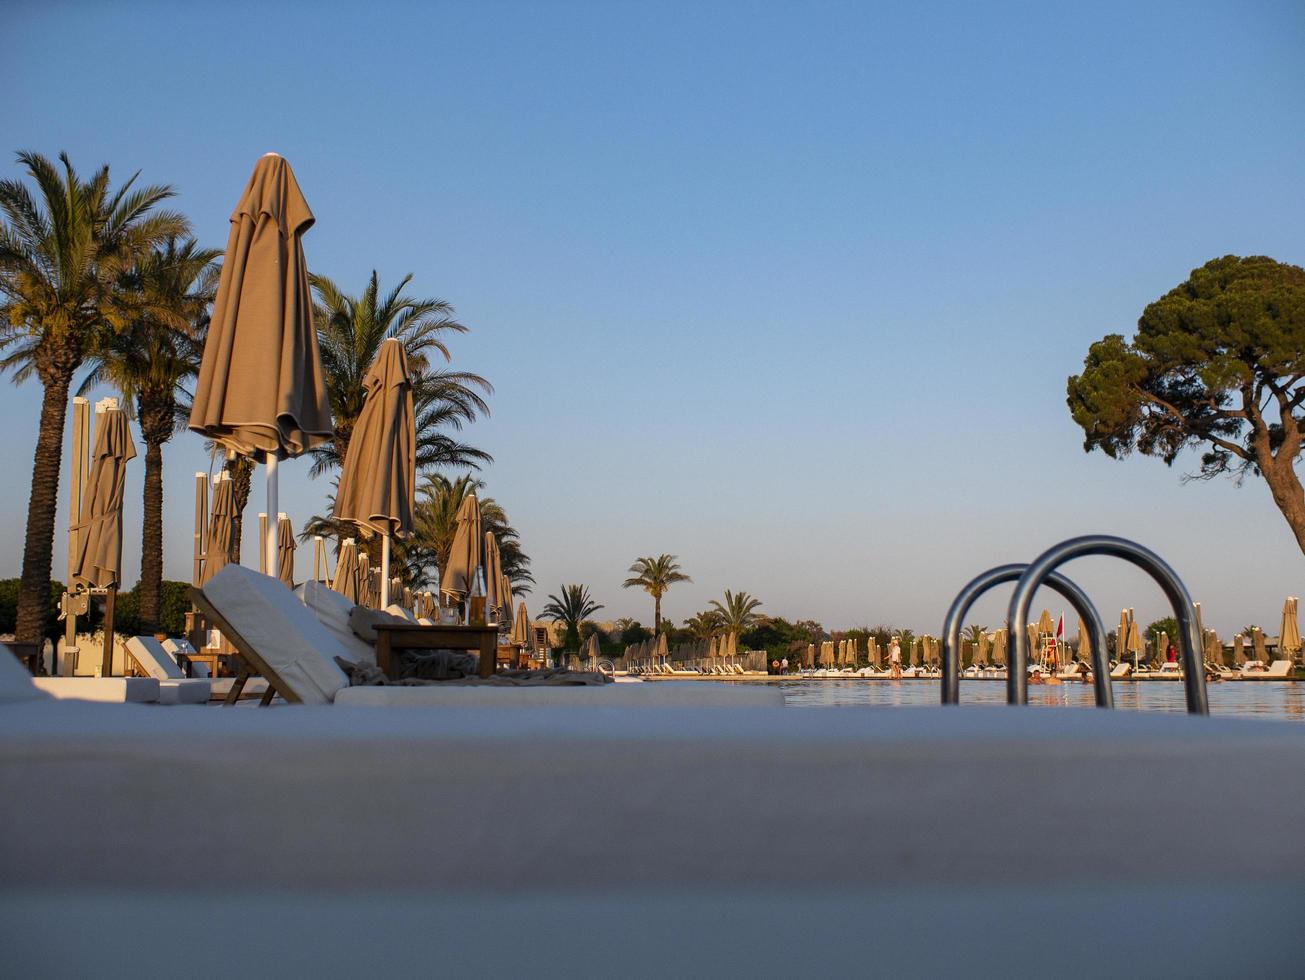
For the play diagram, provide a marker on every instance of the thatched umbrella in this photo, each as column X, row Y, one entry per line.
column 378, row 480
column 261, row 391
column 346, row 581
column 1289, row 636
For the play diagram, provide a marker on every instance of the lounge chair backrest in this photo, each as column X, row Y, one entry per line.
column 153, row 659
column 394, row 609
column 332, row 611
column 275, row 626
column 15, row 682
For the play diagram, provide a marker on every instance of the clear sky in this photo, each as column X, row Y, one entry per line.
column 788, row 291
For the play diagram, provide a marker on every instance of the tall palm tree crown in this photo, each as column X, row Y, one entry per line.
column 655, row 576
column 571, row 607
column 64, row 254
column 149, row 362
column 350, row 331
column 703, row 625
column 737, row 612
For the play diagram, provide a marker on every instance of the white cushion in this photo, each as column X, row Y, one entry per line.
column 153, row 659
column 15, row 682
column 281, row 630
column 658, row 694
column 184, row 691
column 332, row 611
column 394, row 609
column 115, row 690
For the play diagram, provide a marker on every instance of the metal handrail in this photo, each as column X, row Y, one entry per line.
column 951, row 634
column 1039, row 572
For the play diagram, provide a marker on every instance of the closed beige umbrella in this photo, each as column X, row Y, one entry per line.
column 458, row 578
column 493, row 578
column 505, row 590
column 662, row 651
column 99, row 525
column 980, row 658
column 221, row 527
column 1239, row 650
column 378, row 480
column 521, row 627
column 810, row 660
column 1289, row 635
column 1257, row 642
column 1213, row 649
column 999, row 648
column 872, row 653
column 285, row 548
column 1161, row 653
column 1084, row 643
column 346, row 581
column 1134, row 637
column 260, row 390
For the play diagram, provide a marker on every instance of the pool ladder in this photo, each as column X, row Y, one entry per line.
column 1042, row 572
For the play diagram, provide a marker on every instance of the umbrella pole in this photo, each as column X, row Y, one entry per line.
column 385, row 570
column 269, row 538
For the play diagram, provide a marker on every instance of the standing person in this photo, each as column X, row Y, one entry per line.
column 1171, row 654
column 783, row 666
column 895, row 659
column 774, row 666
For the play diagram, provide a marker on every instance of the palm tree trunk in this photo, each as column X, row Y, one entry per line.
column 242, row 474
column 34, row 591
column 657, row 614
column 151, row 544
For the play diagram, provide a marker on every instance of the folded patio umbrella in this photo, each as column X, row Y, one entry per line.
column 872, row 652
column 1134, row 637
column 1084, row 643
column 99, row 543
column 521, row 629
column 1239, row 650
column 999, row 648
column 493, row 576
column 1257, row 642
column 980, row 658
column 378, row 480
column 366, row 596
column 1213, row 648
column 1161, row 648
column 346, row 581
column 221, row 528
column 260, row 390
column 662, row 651
column 1289, row 635
column 459, row 575
column 285, row 550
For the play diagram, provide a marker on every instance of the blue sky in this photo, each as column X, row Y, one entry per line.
column 791, row 292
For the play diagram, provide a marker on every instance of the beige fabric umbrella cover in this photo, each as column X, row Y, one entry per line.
column 521, row 628
column 260, row 388
column 1261, row 651
column 458, row 578
column 221, row 521
column 1289, row 634
column 346, row 572
column 493, row 575
column 981, row 651
column 285, row 551
column 1161, row 647
column 1239, row 649
column 378, row 481
column 1084, row 643
column 999, row 647
column 99, row 542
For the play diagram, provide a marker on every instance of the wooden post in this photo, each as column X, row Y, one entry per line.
column 201, row 527
column 262, row 536
column 106, row 658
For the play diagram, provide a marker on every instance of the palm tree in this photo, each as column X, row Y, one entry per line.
column 63, row 254
column 736, row 613
column 572, row 608
column 655, row 576
column 974, row 633
column 150, row 362
column 703, row 625
column 350, row 331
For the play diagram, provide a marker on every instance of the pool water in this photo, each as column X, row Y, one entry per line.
column 1253, row 699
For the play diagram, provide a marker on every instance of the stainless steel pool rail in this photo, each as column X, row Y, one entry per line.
column 1037, row 574
column 951, row 633
column 1042, row 571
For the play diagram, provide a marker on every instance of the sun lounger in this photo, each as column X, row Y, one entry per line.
column 174, row 686
column 15, row 682
column 1121, row 670
column 289, row 647
column 332, row 611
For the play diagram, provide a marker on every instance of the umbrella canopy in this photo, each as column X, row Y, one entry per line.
column 1134, row 637
column 521, row 628
column 459, row 574
column 981, row 651
column 810, row 660
column 999, row 647
column 662, row 651
column 1121, row 637
column 1213, row 648
column 493, row 572
column 842, row 653
column 590, row 649
column 1161, row 653
column 285, row 550
column 1045, row 623
column 872, row 652
column 99, row 543
column 346, row 581
column 378, row 480
column 366, row 596
column 914, row 653
column 260, row 389
column 1289, row 635
column 1257, row 642
column 1239, row 650
column 1084, row 643
column 221, row 527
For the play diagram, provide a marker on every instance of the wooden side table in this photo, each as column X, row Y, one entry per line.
column 411, row 636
